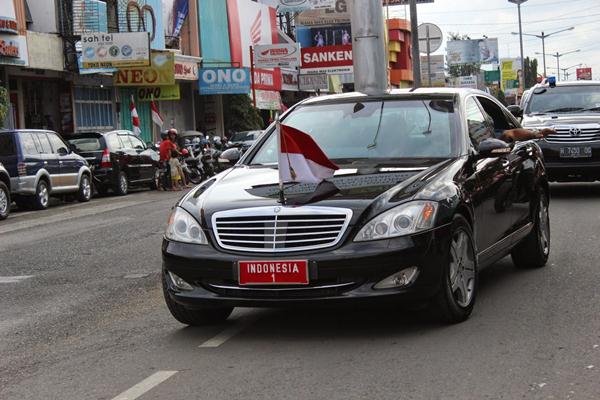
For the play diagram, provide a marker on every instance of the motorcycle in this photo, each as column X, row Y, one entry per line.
column 192, row 167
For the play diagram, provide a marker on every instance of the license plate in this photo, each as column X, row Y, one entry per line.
column 575, row 152
column 292, row 272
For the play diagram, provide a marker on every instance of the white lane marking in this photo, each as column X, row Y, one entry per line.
column 14, row 279
column 228, row 333
column 146, row 385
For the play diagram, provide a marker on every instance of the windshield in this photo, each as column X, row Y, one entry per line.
column 86, row 144
column 565, row 99
column 374, row 130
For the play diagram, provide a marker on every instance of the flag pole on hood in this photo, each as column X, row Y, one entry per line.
column 281, row 186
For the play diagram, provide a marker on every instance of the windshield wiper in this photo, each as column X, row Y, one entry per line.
column 597, row 109
column 564, row 109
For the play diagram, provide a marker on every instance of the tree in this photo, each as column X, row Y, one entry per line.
column 530, row 72
column 239, row 113
column 462, row 69
column 3, row 105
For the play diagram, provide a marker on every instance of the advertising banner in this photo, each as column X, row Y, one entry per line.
column 289, row 80
column 109, row 50
column 267, row 79
column 149, row 93
column 277, row 55
column 250, row 24
column 467, row 82
column 268, row 100
column 328, row 59
column 224, row 81
column 339, row 14
column 338, row 35
column 310, row 82
column 160, row 72
column 186, row 68
column 584, row 74
column 509, row 74
column 89, row 16
column 143, row 16
column 484, row 51
column 174, row 13
column 284, row 6
column 438, row 74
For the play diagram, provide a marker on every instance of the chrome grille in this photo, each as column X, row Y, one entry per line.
column 583, row 133
column 280, row 229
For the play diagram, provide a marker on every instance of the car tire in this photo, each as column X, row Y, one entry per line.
column 154, row 183
column 84, row 194
column 5, row 201
column 456, row 297
column 41, row 199
column 534, row 250
column 122, row 186
column 196, row 316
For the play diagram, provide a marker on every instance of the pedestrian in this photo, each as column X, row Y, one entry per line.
column 166, row 146
column 176, row 171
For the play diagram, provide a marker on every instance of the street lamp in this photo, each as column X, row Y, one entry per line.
column 543, row 36
column 558, row 56
column 518, row 3
column 564, row 70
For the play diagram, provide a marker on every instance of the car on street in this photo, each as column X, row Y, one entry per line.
column 244, row 139
column 572, row 109
column 425, row 198
column 41, row 164
column 118, row 159
column 5, row 201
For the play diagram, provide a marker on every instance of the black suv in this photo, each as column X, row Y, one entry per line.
column 118, row 159
column 4, row 193
column 572, row 109
column 40, row 165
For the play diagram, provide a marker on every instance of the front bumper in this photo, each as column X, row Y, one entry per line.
column 346, row 273
column 571, row 169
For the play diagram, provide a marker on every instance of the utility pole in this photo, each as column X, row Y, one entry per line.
column 558, row 56
column 414, row 33
column 522, row 77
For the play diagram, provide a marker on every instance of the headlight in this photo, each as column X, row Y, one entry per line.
column 403, row 220
column 183, row 227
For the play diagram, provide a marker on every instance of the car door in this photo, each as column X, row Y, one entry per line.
column 130, row 158
column 146, row 164
column 493, row 181
column 35, row 158
column 68, row 163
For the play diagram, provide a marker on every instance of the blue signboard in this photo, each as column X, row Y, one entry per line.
column 224, row 80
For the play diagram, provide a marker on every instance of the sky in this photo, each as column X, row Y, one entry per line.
column 498, row 18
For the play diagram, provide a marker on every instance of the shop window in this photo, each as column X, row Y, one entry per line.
column 93, row 108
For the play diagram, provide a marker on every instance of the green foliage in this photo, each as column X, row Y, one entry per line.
column 3, row 104
column 239, row 114
column 462, row 69
column 530, row 70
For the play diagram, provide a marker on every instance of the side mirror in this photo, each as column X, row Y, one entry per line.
column 231, row 156
column 516, row 110
column 62, row 151
column 490, row 148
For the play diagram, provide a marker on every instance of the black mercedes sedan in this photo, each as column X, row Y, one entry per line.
column 424, row 199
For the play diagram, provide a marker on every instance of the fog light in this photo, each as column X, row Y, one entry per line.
column 180, row 283
column 399, row 279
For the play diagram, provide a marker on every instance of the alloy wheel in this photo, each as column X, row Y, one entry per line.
column 3, row 202
column 86, row 187
column 462, row 268
column 123, row 183
column 544, row 226
column 43, row 195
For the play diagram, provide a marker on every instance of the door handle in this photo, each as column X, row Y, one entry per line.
column 60, row 162
column 45, row 162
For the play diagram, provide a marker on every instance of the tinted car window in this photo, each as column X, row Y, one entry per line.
column 564, row 98
column 479, row 129
column 27, row 144
column 7, row 145
column 137, row 143
column 57, row 143
column 113, row 142
column 126, row 142
column 44, row 143
column 86, row 144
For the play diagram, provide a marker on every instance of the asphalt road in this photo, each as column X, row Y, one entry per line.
column 82, row 317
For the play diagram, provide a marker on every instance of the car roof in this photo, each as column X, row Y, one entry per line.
column 398, row 93
column 569, row 83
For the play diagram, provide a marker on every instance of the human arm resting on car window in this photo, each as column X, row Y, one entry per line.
column 520, row 134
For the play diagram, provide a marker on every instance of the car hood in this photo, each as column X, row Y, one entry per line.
column 550, row 120
column 364, row 191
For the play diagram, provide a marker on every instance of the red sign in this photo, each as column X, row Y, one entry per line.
column 267, row 79
column 584, row 74
column 294, row 272
column 8, row 25
column 9, row 48
column 327, row 59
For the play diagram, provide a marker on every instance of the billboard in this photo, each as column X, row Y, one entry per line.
column 584, row 74
column 484, row 51
column 267, row 79
column 309, row 82
column 438, row 74
column 339, row 14
column 277, row 55
column 328, row 59
column 250, row 24
column 289, row 80
column 160, row 72
column 224, row 81
column 143, row 16
column 109, row 50
column 174, row 13
column 284, row 6
column 338, row 35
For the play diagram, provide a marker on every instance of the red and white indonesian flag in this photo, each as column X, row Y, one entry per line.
column 300, row 157
column 156, row 117
column 135, row 119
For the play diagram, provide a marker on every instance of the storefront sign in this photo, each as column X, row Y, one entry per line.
column 268, row 100
column 289, row 80
column 13, row 50
column 8, row 25
column 160, row 72
column 9, row 46
column 310, row 82
column 185, row 68
column 224, row 80
column 284, row 6
column 467, row 82
column 109, row 50
column 267, row 79
column 162, row 93
column 327, row 59
column 584, row 74
column 277, row 55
